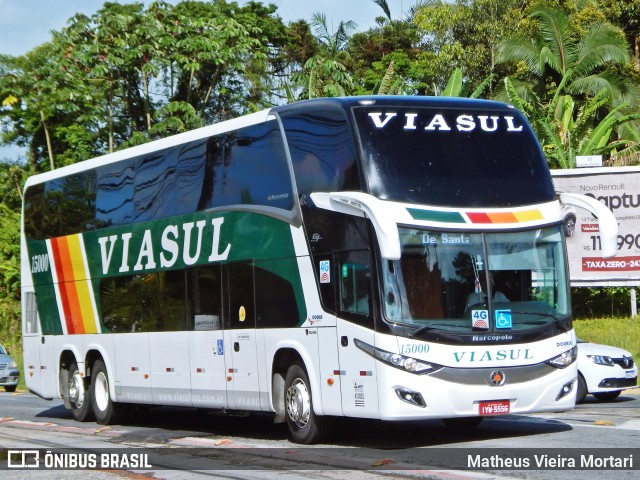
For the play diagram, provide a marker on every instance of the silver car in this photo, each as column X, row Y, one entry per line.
column 8, row 371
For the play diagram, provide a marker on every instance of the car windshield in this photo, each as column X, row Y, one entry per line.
column 468, row 282
column 2, row 351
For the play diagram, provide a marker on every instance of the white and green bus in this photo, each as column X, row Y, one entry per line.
column 395, row 258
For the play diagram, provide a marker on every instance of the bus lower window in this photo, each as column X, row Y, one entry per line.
column 355, row 283
column 152, row 302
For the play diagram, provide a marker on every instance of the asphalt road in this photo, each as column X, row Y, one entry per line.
column 189, row 443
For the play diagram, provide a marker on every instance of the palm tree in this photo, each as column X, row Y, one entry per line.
column 555, row 49
column 325, row 74
column 566, row 130
column 571, row 90
column 385, row 8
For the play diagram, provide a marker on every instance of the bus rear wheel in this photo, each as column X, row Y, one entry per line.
column 78, row 391
column 106, row 411
column 304, row 425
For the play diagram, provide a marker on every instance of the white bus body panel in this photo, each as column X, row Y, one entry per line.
column 357, row 372
column 170, row 379
column 208, row 370
column 242, row 359
column 132, row 372
column 40, row 365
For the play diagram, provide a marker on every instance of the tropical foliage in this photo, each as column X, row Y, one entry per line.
column 571, row 87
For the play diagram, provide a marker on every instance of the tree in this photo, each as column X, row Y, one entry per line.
column 325, row 74
column 566, row 129
column 130, row 74
column 569, row 80
column 626, row 15
column 384, row 5
column 466, row 35
column 37, row 101
column 393, row 42
column 9, row 253
column 456, row 86
column 554, row 49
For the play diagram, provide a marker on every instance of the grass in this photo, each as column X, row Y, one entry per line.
column 618, row 332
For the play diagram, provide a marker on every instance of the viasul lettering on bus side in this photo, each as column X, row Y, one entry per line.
column 177, row 242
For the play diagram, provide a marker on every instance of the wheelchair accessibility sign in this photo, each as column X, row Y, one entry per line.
column 503, row 318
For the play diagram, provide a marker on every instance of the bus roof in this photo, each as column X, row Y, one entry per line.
column 260, row 117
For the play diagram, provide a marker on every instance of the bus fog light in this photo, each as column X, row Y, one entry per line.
column 566, row 389
column 410, row 396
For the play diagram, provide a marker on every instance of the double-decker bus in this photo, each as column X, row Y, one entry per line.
column 390, row 258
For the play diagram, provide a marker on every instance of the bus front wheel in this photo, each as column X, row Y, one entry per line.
column 304, row 425
column 78, row 392
column 106, row 411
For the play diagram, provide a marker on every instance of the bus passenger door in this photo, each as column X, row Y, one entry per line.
column 355, row 322
column 206, row 344
column 243, row 386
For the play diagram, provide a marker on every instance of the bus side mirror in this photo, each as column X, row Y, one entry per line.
column 607, row 223
column 365, row 205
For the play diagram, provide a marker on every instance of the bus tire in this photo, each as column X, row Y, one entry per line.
column 607, row 396
column 581, row 391
column 78, row 392
column 106, row 411
column 305, row 427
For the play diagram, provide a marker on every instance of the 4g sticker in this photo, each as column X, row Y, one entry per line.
column 480, row 319
column 325, row 275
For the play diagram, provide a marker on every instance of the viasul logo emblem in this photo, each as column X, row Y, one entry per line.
column 497, row 377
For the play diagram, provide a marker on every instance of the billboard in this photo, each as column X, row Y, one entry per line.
column 619, row 189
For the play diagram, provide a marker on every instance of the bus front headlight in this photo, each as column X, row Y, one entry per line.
column 564, row 359
column 401, row 362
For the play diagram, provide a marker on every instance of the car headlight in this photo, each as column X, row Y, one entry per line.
column 564, row 359
column 13, row 364
column 402, row 362
column 601, row 360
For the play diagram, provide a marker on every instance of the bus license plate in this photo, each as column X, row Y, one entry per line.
column 495, row 407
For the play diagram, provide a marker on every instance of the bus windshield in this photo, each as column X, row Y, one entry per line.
column 452, row 157
column 464, row 282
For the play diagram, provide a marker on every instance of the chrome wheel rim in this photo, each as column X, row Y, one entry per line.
column 101, row 391
column 76, row 390
column 298, row 403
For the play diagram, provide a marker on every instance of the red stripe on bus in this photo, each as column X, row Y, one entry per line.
column 62, row 285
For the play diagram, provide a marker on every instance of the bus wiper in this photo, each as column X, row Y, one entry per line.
column 423, row 328
column 555, row 319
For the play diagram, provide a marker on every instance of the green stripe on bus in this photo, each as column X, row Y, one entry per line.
column 436, row 216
